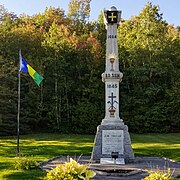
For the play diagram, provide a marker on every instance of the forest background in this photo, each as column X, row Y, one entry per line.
column 69, row 52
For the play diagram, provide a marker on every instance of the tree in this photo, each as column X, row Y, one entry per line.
column 149, row 72
column 69, row 52
column 8, row 96
column 79, row 9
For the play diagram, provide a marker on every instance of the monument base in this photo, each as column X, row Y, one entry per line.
column 122, row 146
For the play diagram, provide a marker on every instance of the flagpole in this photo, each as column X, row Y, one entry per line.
column 19, row 91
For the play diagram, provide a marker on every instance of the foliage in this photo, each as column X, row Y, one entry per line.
column 79, row 9
column 158, row 174
column 150, row 75
column 69, row 52
column 70, row 170
column 25, row 163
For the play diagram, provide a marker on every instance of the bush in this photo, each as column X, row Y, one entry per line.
column 70, row 171
column 24, row 163
column 159, row 175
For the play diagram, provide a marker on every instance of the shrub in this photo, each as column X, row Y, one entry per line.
column 24, row 163
column 71, row 171
column 159, row 175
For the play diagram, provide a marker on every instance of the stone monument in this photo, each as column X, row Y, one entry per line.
column 112, row 136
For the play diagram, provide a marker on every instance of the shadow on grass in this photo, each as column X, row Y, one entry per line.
column 4, row 165
column 35, row 174
column 54, row 150
column 172, row 153
column 59, row 137
column 166, row 139
column 46, row 150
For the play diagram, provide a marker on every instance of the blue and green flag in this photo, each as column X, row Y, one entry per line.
column 25, row 67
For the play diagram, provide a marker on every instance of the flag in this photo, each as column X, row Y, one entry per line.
column 25, row 67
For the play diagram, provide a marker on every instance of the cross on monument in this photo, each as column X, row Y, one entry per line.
column 112, row 17
column 112, row 100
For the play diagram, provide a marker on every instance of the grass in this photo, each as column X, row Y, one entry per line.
column 41, row 147
column 160, row 145
column 45, row 146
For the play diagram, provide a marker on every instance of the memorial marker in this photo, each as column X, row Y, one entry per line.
column 112, row 135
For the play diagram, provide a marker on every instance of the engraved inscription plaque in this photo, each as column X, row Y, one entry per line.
column 112, row 141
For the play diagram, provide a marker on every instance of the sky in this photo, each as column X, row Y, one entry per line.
column 129, row 8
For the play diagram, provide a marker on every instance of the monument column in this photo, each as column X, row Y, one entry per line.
column 112, row 135
column 112, row 76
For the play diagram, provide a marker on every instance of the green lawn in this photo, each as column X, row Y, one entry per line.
column 162, row 145
column 45, row 146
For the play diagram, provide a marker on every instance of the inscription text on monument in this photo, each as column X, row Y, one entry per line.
column 112, row 141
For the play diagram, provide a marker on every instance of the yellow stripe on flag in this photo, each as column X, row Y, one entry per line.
column 31, row 71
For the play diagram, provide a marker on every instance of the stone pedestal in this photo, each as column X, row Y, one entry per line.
column 125, row 150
